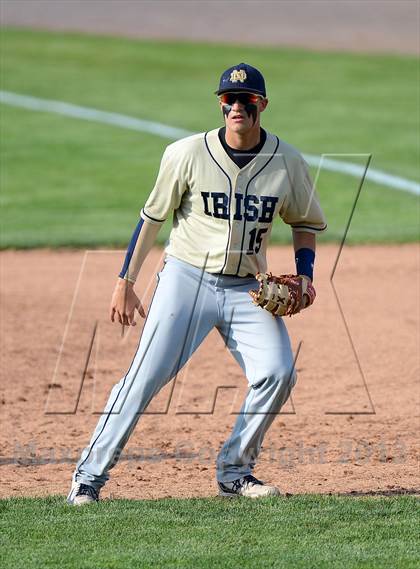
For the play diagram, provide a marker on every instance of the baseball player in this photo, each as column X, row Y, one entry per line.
column 224, row 188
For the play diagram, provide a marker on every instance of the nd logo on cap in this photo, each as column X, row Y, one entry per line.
column 236, row 76
column 242, row 77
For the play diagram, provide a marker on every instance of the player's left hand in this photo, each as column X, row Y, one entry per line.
column 284, row 295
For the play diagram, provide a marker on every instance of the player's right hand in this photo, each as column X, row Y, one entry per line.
column 124, row 302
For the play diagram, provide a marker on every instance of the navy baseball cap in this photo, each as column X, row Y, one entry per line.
column 242, row 77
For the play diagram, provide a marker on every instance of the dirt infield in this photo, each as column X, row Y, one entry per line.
column 349, row 428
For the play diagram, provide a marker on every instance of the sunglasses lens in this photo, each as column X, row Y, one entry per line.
column 253, row 98
column 227, row 98
column 242, row 98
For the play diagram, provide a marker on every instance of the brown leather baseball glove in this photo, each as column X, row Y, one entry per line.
column 284, row 295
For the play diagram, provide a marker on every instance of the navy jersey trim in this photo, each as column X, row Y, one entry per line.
column 230, row 198
column 152, row 218
column 310, row 227
column 246, row 193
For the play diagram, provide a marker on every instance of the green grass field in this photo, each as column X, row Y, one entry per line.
column 291, row 533
column 67, row 182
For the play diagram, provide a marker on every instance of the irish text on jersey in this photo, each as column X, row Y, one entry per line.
column 249, row 207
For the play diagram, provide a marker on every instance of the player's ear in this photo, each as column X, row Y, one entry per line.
column 263, row 105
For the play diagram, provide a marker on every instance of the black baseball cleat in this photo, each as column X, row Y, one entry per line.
column 81, row 494
column 248, row 486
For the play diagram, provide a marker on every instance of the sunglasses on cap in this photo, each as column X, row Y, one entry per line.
column 242, row 98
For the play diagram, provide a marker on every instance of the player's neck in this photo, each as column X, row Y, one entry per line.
column 244, row 141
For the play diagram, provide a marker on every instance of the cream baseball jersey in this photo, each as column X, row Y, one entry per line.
column 223, row 214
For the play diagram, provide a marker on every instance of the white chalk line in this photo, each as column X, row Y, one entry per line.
column 166, row 131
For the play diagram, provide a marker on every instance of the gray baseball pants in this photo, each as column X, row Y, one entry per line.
column 187, row 304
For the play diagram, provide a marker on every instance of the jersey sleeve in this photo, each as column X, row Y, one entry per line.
column 301, row 208
column 169, row 187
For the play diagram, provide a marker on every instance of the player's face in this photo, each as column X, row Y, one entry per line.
column 242, row 110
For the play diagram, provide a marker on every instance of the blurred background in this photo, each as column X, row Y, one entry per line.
column 92, row 91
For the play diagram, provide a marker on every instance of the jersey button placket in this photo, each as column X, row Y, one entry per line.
column 236, row 225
